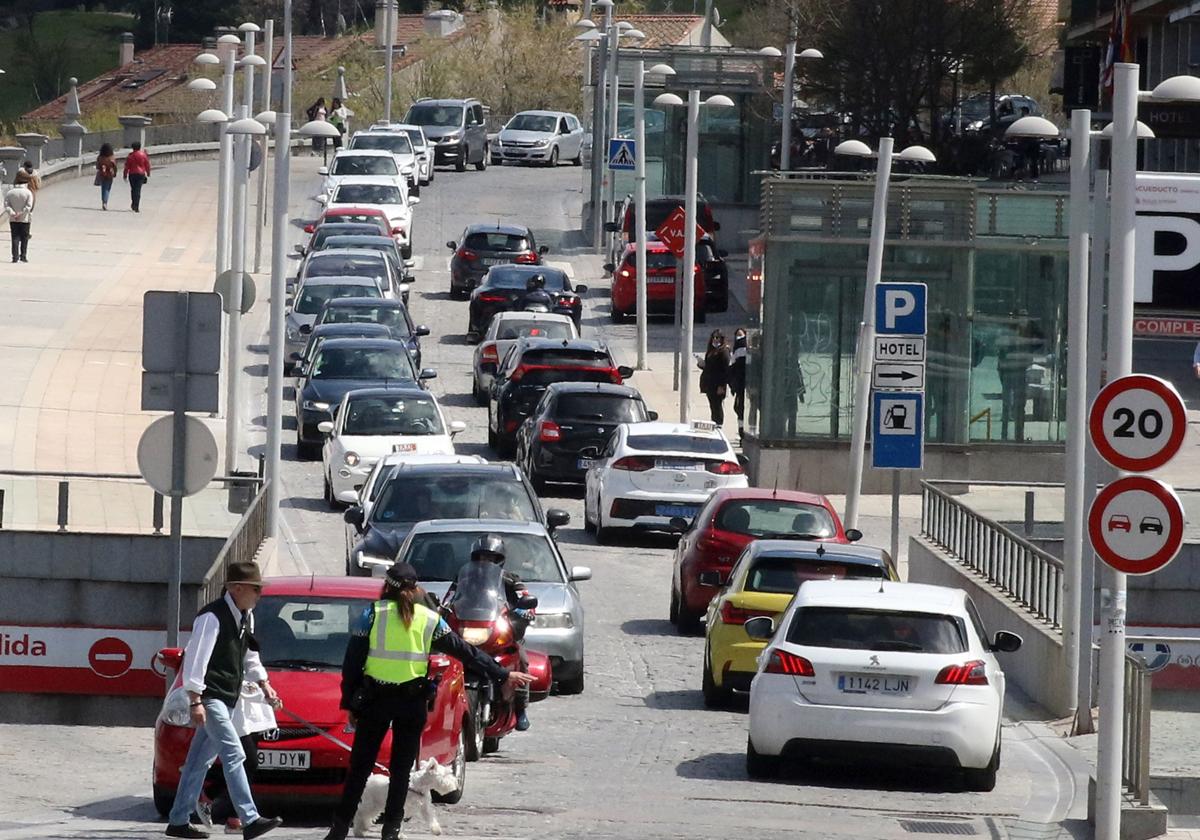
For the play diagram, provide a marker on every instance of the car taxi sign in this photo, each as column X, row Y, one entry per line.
column 1137, row 423
column 1136, row 524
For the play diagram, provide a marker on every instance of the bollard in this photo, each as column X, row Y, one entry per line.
column 134, row 126
column 35, row 146
column 72, row 130
column 1029, row 513
column 1, row 510
column 63, row 496
column 11, row 158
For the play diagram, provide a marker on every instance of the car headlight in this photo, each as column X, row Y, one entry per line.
column 371, row 561
column 451, row 138
column 351, row 459
column 476, row 635
column 554, row 621
column 541, row 144
column 313, row 405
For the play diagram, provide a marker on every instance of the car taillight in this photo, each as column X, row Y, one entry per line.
column 397, row 231
column 783, row 662
column 723, row 468
column 469, row 256
column 549, row 432
column 567, row 300
column 737, row 615
column 518, row 374
column 526, row 259
column 309, row 228
column 489, row 354
column 968, row 673
column 511, row 424
column 491, row 298
column 633, row 463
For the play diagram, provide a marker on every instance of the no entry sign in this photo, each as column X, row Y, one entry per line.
column 1136, row 525
column 110, row 657
column 1137, row 422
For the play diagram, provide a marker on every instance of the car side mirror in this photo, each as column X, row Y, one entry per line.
column 457, row 426
column 625, row 371
column 427, row 373
column 581, row 289
column 453, row 246
column 653, row 415
column 305, row 329
column 543, row 249
column 853, row 534
column 1006, row 642
column 612, row 227
column 610, row 268
column 581, row 573
column 325, row 427
column 711, row 579
column 716, row 225
column 414, row 200
column 322, row 170
column 760, row 628
column 421, row 331
column 296, row 357
column 354, row 516
column 299, row 249
column 679, row 524
column 557, row 518
column 322, row 199
column 290, row 284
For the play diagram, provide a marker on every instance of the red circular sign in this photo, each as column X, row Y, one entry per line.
column 1137, row 423
column 110, row 657
column 1136, row 525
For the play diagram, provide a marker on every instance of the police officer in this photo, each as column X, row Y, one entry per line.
column 384, row 686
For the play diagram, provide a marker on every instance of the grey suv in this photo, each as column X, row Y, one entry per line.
column 455, row 128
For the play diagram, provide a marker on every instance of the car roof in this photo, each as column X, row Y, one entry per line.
column 329, row 586
column 335, row 222
column 506, row 526
column 538, row 113
column 402, row 391
column 865, row 554
column 348, row 252
column 498, row 227
column 364, row 302
column 606, row 388
column 361, row 152
column 525, row 270
column 519, row 315
column 659, row 427
column 338, row 280
column 727, row 493
column 489, row 468
column 373, row 180
column 879, row 595
column 444, row 101
column 531, row 343
column 394, row 459
column 333, row 329
column 360, row 237
column 352, row 210
column 365, row 344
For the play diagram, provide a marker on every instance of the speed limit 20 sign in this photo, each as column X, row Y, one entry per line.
column 1137, row 422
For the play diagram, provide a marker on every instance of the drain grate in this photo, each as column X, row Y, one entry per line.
column 938, row 827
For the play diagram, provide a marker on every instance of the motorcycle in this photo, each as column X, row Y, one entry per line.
column 537, row 299
column 478, row 611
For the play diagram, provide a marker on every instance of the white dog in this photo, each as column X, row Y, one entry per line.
column 428, row 778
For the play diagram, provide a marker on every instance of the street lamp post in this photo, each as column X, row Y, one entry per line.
column 598, row 119
column 866, row 332
column 789, row 94
column 227, row 50
column 389, row 39
column 267, row 117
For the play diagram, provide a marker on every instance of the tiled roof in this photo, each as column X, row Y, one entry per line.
column 665, row 30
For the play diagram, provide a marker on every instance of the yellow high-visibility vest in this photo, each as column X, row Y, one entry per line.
column 400, row 654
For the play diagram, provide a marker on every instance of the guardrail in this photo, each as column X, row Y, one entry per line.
column 1017, row 567
column 1135, row 735
column 241, row 545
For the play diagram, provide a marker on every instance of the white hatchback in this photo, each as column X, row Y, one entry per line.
column 504, row 330
column 877, row 671
column 651, row 473
column 372, row 423
column 399, row 145
column 421, row 146
column 361, row 162
column 384, row 193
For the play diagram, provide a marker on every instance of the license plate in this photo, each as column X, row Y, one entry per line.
column 585, row 463
column 404, row 447
column 873, row 684
column 682, row 466
column 686, row 511
column 285, row 759
column 494, row 262
column 660, row 281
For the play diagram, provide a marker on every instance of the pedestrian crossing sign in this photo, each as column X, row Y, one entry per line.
column 621, row 154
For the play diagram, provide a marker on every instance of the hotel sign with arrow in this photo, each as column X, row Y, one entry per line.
column 894, row 375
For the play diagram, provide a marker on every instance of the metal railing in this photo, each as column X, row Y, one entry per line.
column 1017, row 567
column 1135, row 735
column 242, row 544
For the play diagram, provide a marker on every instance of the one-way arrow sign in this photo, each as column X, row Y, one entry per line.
column 898, row 375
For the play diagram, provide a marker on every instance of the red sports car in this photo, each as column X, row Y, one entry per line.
column 303, row 625
column 732, row 518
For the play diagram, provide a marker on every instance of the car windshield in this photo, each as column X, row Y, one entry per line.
column 364, row 165
column 556, row 281
column 333, row 264
column 543, row 378
column 442, row 116
column 862, row 629
column 607, row 408
column 398, row 143
column 508, row 243
column 305, row 632
column 567, row 357
column 398, row 415
column 315, row 295
column 679, row 443
column 414, row 497
column 367, row 194
column 654, row 260
column 389, row 316
column 362, row 363
column 439, row 556
column 513, row 328
column 315, row 341
column 324, row 232
column 532, row 122
column 783, row 575
column 360, row 218
column 382, row 244
column 775, row 518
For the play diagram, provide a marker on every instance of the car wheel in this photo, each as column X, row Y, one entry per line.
column 430, row 181
column 553, row 157
column 478, row 393
column 415, row 190
column 604, row 536
column 578, row 161
column 164, row 799
column 406, row 251
column 616, row 315
column 700, row 315
column 759, row 766
column 330, row 499
column 306, row 451
column 473, row 733
column 493, row 440
column 689, row 622
column 460, row 769
column 483, row 161
column 589, row 527
column 572, row 686
column 490, row 744
column 983, row 779
column 715, row 697
column 460, row 165
column 673, row 610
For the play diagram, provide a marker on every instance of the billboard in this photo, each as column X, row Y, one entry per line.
column 1167, row 274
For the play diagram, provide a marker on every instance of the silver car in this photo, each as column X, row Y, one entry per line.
column 438, row 548
column 544, row 137
column 502, row 333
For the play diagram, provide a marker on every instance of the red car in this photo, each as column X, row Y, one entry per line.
column 660, row 283
column 303, row 626
column 732, row 518
column 351, row 213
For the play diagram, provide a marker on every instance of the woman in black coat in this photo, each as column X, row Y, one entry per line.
column 714, row 376
column 737, row 378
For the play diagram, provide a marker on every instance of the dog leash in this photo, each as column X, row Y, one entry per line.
column 326, row 735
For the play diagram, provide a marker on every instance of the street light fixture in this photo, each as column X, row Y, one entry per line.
column 212, row 116
column 207, row 58
column 770, row 52
column 202, row 85
column 267, row 117
column 322, row 129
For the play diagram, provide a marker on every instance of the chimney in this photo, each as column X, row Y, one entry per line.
column 209, row 43
column 381, row 12
column 227, row 41
column 442, row 23
column 492, row 13
column 125, row 51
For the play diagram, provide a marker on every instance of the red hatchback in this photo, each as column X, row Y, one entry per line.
column 351, row 213
column 303, row 624
column 660, row 283
column 732, row 518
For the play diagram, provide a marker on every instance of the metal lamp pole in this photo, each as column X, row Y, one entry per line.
column 789, row 94
column 261, row 212
column 639, row 199
column 689, row 258
column 599, row 134
column 390, row 41
column 224, row 167
column 613, row 101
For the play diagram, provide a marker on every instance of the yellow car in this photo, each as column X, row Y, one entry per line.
column 762, row 582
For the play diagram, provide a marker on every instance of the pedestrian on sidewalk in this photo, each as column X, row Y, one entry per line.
column 220, row 655
column 28, row 176
column 137, row 173
column 316, row 113
column 18, row 204
column 106, row 173
column 252, row 715
column 714, row 376
column 737, row 378
column 339, row 114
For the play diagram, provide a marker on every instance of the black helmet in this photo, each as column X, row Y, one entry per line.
column 489, row 547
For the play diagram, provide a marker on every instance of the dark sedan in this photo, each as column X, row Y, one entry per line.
column 570, row 425
column 393, row 314
column 316, row 242
column 341, row 365
column 505, row 288
column 298, row 362
column 482, row 246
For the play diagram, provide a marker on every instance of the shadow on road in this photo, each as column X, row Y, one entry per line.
column 649, row 627
column 681, row 699
column 454, row 339
column 118, row 808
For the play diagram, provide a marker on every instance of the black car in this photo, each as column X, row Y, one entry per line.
column 507, row 288
column 530, row 367
column 482, row 246
column 317, row 336
column 716, row 275
column 345, row 364
column 393, row 314
column 324, row 231
column 455, row 128
column 417, row 492
column 570, row 426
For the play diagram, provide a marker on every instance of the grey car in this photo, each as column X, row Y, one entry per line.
column 438, row 548
column 456, row 128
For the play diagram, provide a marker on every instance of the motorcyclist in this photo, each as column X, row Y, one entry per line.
column 537, row 299
column 490, row 549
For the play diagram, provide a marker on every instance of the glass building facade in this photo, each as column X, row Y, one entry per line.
column 995, row 262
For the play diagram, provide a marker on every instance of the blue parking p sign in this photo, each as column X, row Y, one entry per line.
column 900, row 308
column 897, row 430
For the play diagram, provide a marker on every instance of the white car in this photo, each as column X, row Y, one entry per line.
column 308, row 302
column 651, row 473
column 502, row 333
column 372, row 423
column 348, row 163
column 540, row 137
column 384, row 193
column 878, row 670
column 397, row 144
column 422, row 147
column 383, row 467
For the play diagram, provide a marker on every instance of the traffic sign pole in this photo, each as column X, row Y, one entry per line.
column 178, row 448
